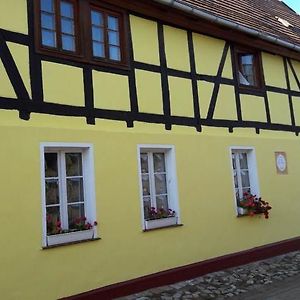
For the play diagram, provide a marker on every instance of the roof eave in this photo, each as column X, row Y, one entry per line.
column 229, row 24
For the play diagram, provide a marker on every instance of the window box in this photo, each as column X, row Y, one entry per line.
column 158, row 223
column 69, row 237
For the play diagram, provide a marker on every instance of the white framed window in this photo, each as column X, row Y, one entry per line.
column 68, row 193
column 158, row 186
column 244, row 173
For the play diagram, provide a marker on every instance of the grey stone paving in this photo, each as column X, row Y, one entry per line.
column 248, row 282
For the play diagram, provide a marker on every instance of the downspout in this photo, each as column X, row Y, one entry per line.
column 229, row 24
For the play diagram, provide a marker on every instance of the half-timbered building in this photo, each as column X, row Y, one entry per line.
column 130, row 133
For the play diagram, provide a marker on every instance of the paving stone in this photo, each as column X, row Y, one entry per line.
column 228, row 283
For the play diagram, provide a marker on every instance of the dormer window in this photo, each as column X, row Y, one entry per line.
column 248, row 68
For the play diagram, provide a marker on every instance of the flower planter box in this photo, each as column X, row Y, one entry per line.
column 158, row 223
column 64, row 238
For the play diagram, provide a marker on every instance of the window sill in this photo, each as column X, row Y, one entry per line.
column 70, row 243
column 165, row 227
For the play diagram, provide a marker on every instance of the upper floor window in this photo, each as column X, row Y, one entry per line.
column 81, row 30
column 58, row 30
column 248, row 68
column 105, row 35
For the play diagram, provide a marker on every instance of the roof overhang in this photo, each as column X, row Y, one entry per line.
column 195, row 11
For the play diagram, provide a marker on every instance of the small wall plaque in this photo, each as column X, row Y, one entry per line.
column 281, row 163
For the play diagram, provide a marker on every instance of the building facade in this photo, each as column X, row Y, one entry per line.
column 130, row 132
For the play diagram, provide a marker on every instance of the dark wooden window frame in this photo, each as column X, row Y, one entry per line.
column 257, row 68
column 83, row 31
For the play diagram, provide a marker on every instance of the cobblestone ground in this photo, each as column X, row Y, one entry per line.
column 229, row 283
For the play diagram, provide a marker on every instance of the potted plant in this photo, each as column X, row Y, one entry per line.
column 253, row 205
column 160, row 218
column 56, row 235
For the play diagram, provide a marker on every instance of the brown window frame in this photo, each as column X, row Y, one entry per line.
column 83, row 33
column 257, row 68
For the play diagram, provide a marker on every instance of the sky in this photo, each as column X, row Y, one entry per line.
column 294, row 4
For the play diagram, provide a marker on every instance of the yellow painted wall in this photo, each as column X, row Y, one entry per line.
column 208, row 54
column 149, row 92
column 253, row 108
column 111, row 91
column 6, row 88
column 279, row 108
column 205, row 90
column 62, row 84
column 15, row 16
column 296, row 106
column 273, row 70
column 176, row 48
column 146, row 52
column 181, row 97
column 202, row 161
column 20, row 55
column 226, row 105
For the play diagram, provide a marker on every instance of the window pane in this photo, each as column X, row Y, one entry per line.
column 68, row 42
column 245, row 178
column 113, row 23
column 67, row 26
column 73, row 164
column 162, row 202
column 52, row 191
column 146, row 185
column 144, row 163
column 52, row 219
column 147, row 207
column 97, row 18
column 48, row 21
column 75, row 212
column 48, row 38
column 243, row 160
column 47, row 5
column 233, row 161
column 51, row 165
column 75, row 190
column 97, row 34
column 113, row 38
column 160, row 184
column 114, row 53
column 247, row 69
column 98, row 49
column 235, row 179
column 159, row 162
column 66, row 9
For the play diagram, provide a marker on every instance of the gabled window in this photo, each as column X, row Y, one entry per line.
column 244, row 173
column 249, row 70
column 68, row 191
column 158, row 186
column 81, row 30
